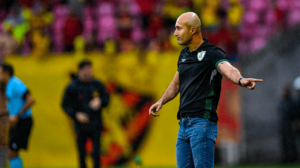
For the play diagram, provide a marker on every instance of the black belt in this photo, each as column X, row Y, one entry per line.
column 190, row 116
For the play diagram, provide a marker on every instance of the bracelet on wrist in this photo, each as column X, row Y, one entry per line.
column 240, row 81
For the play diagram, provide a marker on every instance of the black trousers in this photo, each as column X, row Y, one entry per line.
column 82, row 137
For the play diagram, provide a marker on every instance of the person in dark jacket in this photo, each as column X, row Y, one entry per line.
column 83, row 100
column 288, row 138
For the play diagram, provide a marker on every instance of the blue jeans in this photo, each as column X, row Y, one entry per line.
column 196, row 143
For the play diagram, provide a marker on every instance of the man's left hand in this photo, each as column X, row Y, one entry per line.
column 95, row 103
column 13, row 120
column 250, row 82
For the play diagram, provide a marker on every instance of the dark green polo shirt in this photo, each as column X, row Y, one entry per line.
column 200, row 82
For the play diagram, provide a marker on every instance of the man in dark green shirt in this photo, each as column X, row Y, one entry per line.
column 201, row 66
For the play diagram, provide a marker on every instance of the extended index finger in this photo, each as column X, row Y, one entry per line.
column 257, row 80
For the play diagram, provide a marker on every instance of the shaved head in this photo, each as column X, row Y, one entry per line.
column 191, row 19
column 188, row 28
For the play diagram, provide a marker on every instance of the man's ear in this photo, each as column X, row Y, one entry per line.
column 193, row 30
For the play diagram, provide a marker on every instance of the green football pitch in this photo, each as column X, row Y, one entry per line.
column 241, row 166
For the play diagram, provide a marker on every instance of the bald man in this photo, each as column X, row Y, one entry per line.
column 201, row 66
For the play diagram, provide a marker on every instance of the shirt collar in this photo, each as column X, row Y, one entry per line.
column 203, row 45
column 10, row 80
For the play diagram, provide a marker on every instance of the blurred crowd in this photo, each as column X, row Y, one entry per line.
column 37, row 27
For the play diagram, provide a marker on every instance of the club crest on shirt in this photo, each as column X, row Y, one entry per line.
column 201, row 55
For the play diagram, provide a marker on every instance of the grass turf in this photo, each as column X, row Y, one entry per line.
column 240, row 166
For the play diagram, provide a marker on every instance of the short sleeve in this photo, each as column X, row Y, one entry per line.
column 178, row 60
column 178, row 63
column 218, row 56
column 20, row 90
column 25, row 94
column 16, row 90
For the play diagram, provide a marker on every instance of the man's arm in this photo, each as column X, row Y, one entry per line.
column 29, row 101
column 234, row 75
column 104, row 96
column 170, row 93
column 68, row 102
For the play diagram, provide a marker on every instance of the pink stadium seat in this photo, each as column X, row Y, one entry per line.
column 105, row 9
column 294, row 4
column 26, row 46
column 245, row 4
column 134, row 7
column 137, row 34
column 61, row 11
column 270, row 18
column 283, row 4
column 88, row 26
column 58, row 34
column 58, row 44
column 106, row 28
column 58, row 24
column 248, row 31
column 264, row 31
column 250, row 18
column 257, row 43
column 88, row 11
column 242, row 47
column 294, row 17
column 258, row 5
column 60, row 14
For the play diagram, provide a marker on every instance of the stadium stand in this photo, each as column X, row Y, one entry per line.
column 238, row 26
